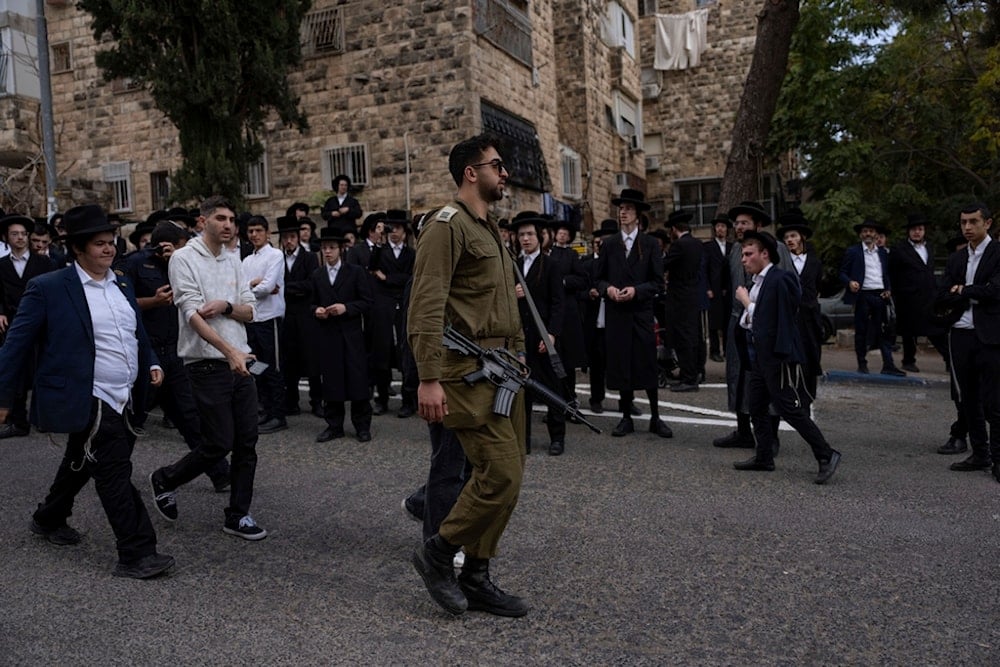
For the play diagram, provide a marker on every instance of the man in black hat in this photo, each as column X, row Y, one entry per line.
column 140, row 234
column 340, row 294
column 296, row 358
column 775, row 352
column 342, row 209
column 746, row 216
column 719, row 293
column 864, row 273
column 911, row 269
column 629, row 278
column 593, row 319
column 391, row 269
column 794, row 231
column 571, row 347
column 683, row 267
column 16, row 269
column 545, row 287
column 42, row 242
column 95, row 361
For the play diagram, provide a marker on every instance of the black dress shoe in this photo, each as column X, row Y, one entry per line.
column 716, row 357
column 272, row 425
column 735, row 440
column 406, row 411
column 681, row 387
column 146, row 567
column 293, row 411
column 953, row 446
column 635, row 412
column 364, row 436
column 912, row 368
column 556, row 447
column 893, row 371
column 624, row 427
column 863, row 369
column 996, row 471
column 12, row 431
column 754, row 464
column 317, row 410
column 657, row 427
column 828, row 467
column 379, row 408
column 597, row 408
column 329, row 434
column 60, row 535
column 970, row 464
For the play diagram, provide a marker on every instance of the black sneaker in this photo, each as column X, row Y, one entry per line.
column 164, row 500
column 146, row 567
column 411, row 510
column 61, row 535
column 244, row 527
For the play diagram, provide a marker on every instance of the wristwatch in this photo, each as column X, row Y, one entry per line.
column 229, row 309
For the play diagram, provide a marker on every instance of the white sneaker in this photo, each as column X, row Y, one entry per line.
column 459, row 560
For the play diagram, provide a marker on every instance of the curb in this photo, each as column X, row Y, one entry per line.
column 846, row 377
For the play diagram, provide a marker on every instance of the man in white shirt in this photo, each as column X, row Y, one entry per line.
column 264, row 271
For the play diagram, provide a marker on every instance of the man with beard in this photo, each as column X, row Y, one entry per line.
column 911, row 269
column 794, row 230
column 717, row 251
column 464, row 278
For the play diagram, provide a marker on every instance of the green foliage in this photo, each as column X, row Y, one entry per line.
column 216, row 69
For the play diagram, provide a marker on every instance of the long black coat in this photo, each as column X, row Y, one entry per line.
column 717, row 276
column 913, row 288
column 12, row 286
column 631, row 338
column 809, row 318
column 544, row 281
column 386, row 317
column 575, row 283
column 299, row 312
column 340, row 340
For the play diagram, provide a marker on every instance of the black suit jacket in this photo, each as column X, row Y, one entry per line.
column 776, row 337
column 683, row 266
column 349, row 219
column 12, row 286
column 544, row 280
column 913, row 287
column 983, row 292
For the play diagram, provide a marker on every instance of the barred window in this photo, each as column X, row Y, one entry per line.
column 571, row 173
column 159, row 188
column 255, row 185
column 349, row 159
column 506, row 24
column 62, row 58
column 323, row 32
column 118, row 176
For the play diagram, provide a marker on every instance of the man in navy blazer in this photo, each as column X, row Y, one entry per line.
column 776, row 354
column 93, row 351
column 865, row 276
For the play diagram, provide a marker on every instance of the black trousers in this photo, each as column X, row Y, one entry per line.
column 263, row 340
column 686, row 332
column 361, row 415
column 541, row 370
column 781, row 385
column 448, row 473
column 976, row 370
column 296, row 363
column 869, row 315
column 597, row 355
column 227, row 405
column 110, row 465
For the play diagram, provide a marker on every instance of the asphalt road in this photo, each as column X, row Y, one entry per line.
column 631, row 551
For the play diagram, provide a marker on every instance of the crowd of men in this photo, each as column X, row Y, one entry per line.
column 215, row 323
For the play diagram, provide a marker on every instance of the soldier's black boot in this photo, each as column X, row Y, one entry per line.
column 483, row 595
column 434, row 563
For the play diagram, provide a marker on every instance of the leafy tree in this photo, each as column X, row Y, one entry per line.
column 215, row 69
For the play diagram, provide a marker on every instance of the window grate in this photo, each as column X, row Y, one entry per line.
column 323, row 32
column 118, row 176
column 349, row 159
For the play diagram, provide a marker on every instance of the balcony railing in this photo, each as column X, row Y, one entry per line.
column 506, row 26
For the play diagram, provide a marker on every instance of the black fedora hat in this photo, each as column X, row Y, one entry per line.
column 868, row 222
column 678, row 216
column 158, row 216
column 527, row 218
column 183, row 216
column 769, row 242
column 915, row 220
column 395, row 217
column 144, row 227
column 722, row 218
column 570, row 226
column 288, row 223
column 753, row 209
column 86, row 219
column 332, row 233
column 297, row 206
column 793, row 220
column 608, row 226
column 8, row 220
column 634, row 197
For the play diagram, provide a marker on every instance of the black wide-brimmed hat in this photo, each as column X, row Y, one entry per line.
column 769, row 242
column 144, row 227
column 608, row 226
column 678, row 216
column 915, row 220
column 661, row 234
column 793, row 220
column 183, row 216
column 86, row 219
column 297, row 206
column 8, row 220
column 634, row 197
column 754, row 210
column 527, row 218
column 568, row 225
column 395, row 217
column 288, row 223
column 332, row 233
column 722, row 218
column 868, row 222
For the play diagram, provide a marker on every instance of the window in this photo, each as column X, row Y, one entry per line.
column 159, row 188
column 349, row 159
column 506, row 25
column 255, row 185
column 522, row 150
column 118, row 176
column 700, row 197
column 62, row 59
column 648, row 7
column 323, row 32
column 124, row 85
column 571, row 173
column 704, row 3
column 628, row 119
column 618, row 28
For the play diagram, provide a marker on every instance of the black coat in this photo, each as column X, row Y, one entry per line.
column 629, row 331
column 544, row 282
column 349, row 219
column 717, row 277
column 576, row 283
column 299, row 311
column 340, row 341
column 386, row 317
column 810, row 318
column 12, row 286
column 984, row 290
column 913, row 288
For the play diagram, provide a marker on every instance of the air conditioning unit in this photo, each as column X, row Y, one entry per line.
column 652, row 163
column 621, row 180
column 651, row 91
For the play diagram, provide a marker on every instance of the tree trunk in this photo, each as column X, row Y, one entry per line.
column 741, row 181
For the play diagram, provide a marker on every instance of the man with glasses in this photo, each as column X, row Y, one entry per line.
column 464, row 277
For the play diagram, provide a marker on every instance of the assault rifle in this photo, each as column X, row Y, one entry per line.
column 509, row 374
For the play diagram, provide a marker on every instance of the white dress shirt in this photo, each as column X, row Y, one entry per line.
column 921, row 249
column 331, row 272
column 975, row 256
column 290, row 257
column 873, row 269
column 746, row 321
column 266, row 263
column 20, row 263
column 628, row 240
column 800, row 262
column 529, row 260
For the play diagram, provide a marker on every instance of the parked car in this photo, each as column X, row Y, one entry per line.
column 835, row 314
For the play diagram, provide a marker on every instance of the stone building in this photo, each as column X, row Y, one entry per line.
column 388, row 89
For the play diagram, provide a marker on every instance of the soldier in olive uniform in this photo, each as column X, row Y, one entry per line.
column 464, row 277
